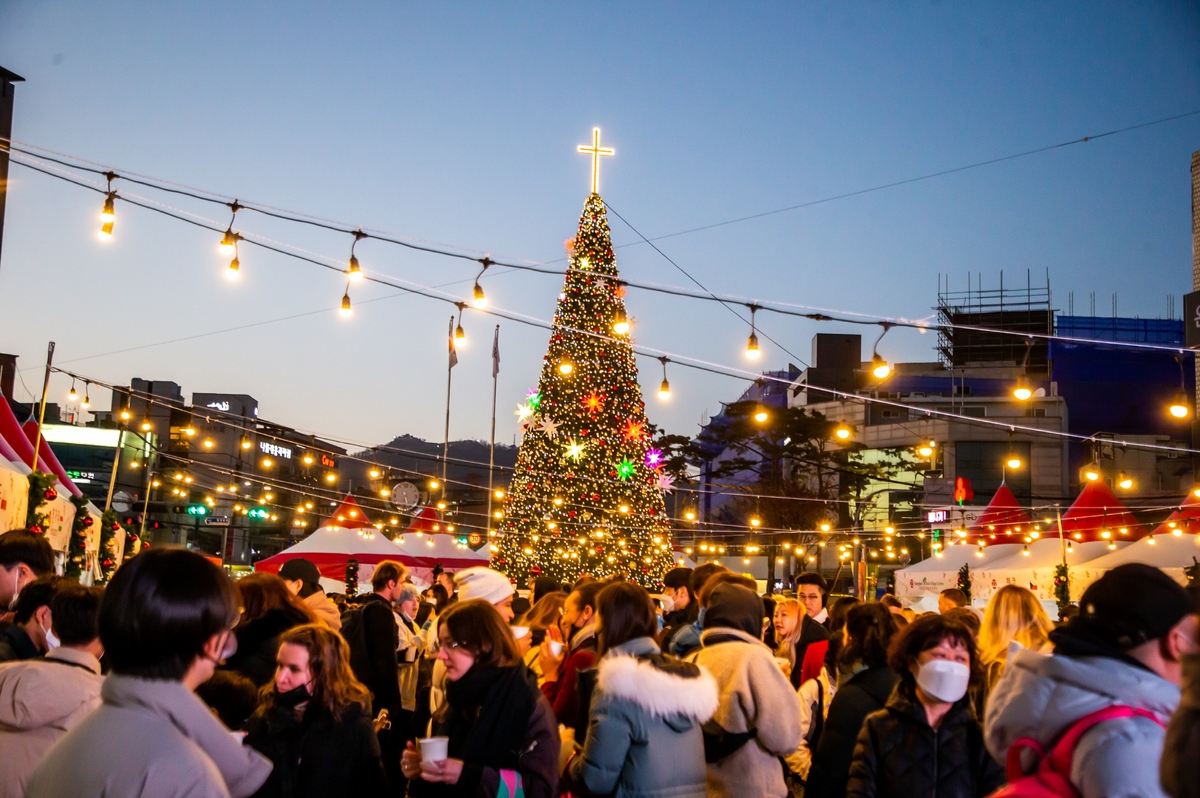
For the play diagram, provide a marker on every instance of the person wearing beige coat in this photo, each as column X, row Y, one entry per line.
column 758, row 717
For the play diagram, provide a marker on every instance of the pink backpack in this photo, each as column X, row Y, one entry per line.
column 1052, row 778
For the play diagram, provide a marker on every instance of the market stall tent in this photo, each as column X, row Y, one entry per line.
column 931, row 576
column 1169, row 553
column 14, row 495
column 1097, row 510
column 425, row 544
column 347, row 534
column 1035, row 570
column 1186, row 518
column 1002, row 519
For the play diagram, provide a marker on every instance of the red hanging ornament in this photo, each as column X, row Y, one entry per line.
column 51, row 494
column 87, row 522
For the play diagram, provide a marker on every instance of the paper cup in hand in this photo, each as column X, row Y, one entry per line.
column 433, row 749
column 519, row 631
column 556, row 648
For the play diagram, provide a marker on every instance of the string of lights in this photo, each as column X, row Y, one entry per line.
column 479, row 299
column 643, row 351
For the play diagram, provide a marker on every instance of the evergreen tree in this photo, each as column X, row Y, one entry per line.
column 586, row 494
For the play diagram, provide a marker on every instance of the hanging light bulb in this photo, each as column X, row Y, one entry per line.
column 1022, row 391
column 346, row 309
column 760, row 414
column 842, row 432
column 87, row 401
column 232, row 272
column 73, row 394
column 1179, row 405
column 926, row 449
column 1091, row 472
column 620, row 322
column 460, row 336
column 108, row 215
column 1124, row 481
column 664, row 390
column 1025, row 549
column 228, row 244
column 752, row 350
column 1013, row 461
column 355, row 271
column 480, row 301
column 880, row 367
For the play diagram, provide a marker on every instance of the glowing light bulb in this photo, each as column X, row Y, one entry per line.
column 664, row 390
column 346, row 310
column 1179, row 406
column 460, row 336
column 1022, row 391
column 880, row 368
column 1091, row 474
column 355, row 271
column 925, row 450
column 620, row 322
column 228, row 246
column 566, row 367
column 232, row 272
column 73, row 394
column 1013, row 461
column 760, row 415
column 842, row 432
column 752, row 350
column 1124, row 482
column 479, row 300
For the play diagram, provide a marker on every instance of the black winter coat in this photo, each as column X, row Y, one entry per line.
column 863, row 694
column 317, row 756
column 373, row 652
column 258, row 644
column 899, row 755
column 810, row 632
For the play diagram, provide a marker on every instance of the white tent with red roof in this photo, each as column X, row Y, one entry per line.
column 426, row 542
column 1098, row 510
column 1004, row 520
column 348, row 533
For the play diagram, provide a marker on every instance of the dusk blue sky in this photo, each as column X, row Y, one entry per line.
column 458, row 123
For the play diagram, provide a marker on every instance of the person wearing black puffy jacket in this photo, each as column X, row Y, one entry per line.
column 864, row 683
column 926, row 741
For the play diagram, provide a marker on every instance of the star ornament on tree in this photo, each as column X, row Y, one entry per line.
column 523, row 412
column 574, row 450
column 625, row 469
column 665, row 483
column 634, row 431
column 550, row 427
column 654, row 458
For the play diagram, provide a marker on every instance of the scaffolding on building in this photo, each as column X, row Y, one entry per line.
column 1013, row 309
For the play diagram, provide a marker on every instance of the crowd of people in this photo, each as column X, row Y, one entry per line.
column 175, row 680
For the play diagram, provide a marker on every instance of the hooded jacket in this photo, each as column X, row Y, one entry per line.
column 325, row 609
column 899, row 755
column 644, row 736
column 151, row 738
column 754, row 696
column 40, row 701
column 1040, row 696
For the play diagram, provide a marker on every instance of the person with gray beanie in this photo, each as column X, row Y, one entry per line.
column 758, row 714
column 1123, row 653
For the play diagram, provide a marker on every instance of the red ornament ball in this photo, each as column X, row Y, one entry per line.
column 51, row 494
column 535, row 570
column 88, row 521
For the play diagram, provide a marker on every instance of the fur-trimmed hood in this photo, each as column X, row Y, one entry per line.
column 662, row 686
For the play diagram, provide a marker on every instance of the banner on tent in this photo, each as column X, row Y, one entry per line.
column 14, row 499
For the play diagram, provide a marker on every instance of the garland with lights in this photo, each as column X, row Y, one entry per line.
column 587, row 492
column 1062, row 587
column 964, row 582
column 41, row 491
column 77, row 547
column 110, row 527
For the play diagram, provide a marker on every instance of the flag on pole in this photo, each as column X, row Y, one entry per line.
column 453, row 351
column 496, row 353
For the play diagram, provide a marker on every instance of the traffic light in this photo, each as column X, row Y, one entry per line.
column 259, row 513
column 198, row 510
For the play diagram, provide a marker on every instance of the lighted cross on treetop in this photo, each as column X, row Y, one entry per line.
column 596, row 151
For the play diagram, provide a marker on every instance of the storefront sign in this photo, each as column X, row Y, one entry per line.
column 275, row 450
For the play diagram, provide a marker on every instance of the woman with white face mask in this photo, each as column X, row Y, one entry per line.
column 926, row 740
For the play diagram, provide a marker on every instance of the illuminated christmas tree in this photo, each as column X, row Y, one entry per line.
column 587, row 493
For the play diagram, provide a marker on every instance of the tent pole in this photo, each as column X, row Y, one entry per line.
column 1062, row 540
column 492, row 449
column 37, row 443
column 446, row 441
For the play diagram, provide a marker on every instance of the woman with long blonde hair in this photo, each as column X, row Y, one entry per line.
column 1013, row 614
column 315, row 721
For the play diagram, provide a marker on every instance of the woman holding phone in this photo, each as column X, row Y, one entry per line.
column 496, row 730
